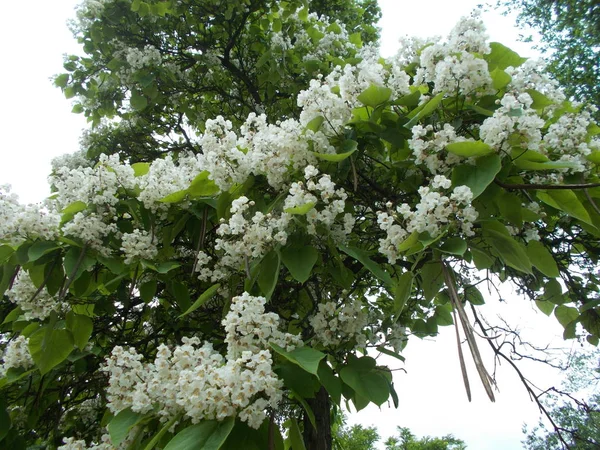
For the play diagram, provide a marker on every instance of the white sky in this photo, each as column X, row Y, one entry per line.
column 36, row 125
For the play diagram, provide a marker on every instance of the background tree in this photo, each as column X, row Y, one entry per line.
column 569, row 32
column 408, row 441
column 579, row 420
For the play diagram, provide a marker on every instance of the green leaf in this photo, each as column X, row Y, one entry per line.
column 6, row 251
column 502, row 57
column 432, row 279
column 567, row 201
column 81, row 327
column 5, row 422
column 302, row 209
column 330, row 382
column 407, row 243
column 167, row 266
column 545, row 306
column 477, row 177
column 306, row 357
column 295, row 436
column 362, row 375
column 553, row 292
column 512, row 253
column 481, row 259
column 269, row 273
column 443, row 315
column 140, row 169
column 500, row 78
column 566, row 314
column 542, row 259
column 203, row 298
column 424, row 110
column 181, row 294
column 454, row 246
column 138, row 101
column 402, row 290
column 469, row 149
column 61, row 80
column 49, row 347
column 374, row 95
column 121, row 424
column 158, row 436
column 348, row 145
column 315, row 124
column 40, row 248
column 474, row 296
column 148, row 291
column 300, row 261
column 547, row 165
column 540, row 101
column 206, row 435
column 372, row 266
column 175, row 197
column 202, row 186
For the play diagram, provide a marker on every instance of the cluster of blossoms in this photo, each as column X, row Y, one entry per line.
column 273, row 151
column 334, row 325
column 428, row 147
column 332, row 202
column 294, row 37
column 21, row 222
column 198, row 381
column 138, row 245
column 434, row 211
column 16, row 354
column 241, row 239
column 35, row 303
column 452, row 66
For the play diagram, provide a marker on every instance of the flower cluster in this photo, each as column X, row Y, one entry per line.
column 197, row 380
column 334, row 325
column 434, row 211
column 138, row 245
column 241, row 239
column 16, row 354
column 35, row 303
column 21, row 222
column 321, row 191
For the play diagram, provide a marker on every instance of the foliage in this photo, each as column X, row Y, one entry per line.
column 578, row 421
column 355, row 437
column 222, row 280
column 570, row 37
column 408, row 441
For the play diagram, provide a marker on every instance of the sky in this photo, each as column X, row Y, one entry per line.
column 36, row 125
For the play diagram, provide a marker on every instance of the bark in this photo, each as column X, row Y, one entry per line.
column 319, row 438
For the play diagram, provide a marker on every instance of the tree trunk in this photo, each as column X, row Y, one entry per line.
column 319, row 439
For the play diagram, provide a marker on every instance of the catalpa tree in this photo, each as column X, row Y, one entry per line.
column 227, row 280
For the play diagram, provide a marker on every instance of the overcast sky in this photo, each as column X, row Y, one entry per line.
column 37, row 125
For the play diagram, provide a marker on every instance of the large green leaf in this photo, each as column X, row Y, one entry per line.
column 469, row 149
column 269, row 273
column 512, row 252
column 50, row 347
column 302, row 209
column 402, row 290
column 40, row 248
column 542, row 259
column 202, row 186
column 81, row 328
column 566, row 314
column 477, row 177
column 432, row 279
column 206, row 435
column 424, row 110
column 121, row 424
column 299, row 260
column 295, row 436
column 306, row 357
column 206, row 295
column 138, row 101
column 362, row 375
column 567, row 201
column 502, row 57
column 330, row 382
column 372, row 266
column 374, row 95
